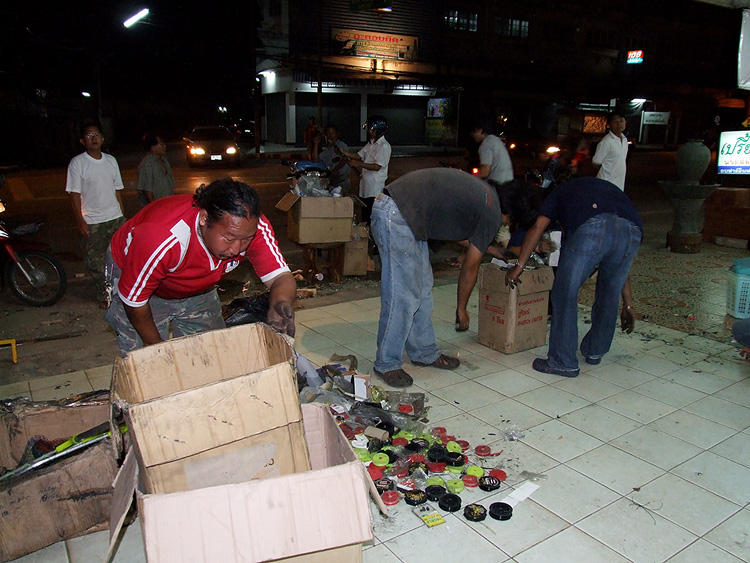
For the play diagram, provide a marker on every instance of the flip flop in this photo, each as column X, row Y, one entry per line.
column 442, row 362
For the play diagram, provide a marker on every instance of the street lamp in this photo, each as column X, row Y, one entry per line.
column 131, row 21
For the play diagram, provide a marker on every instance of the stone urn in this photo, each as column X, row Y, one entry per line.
column 688, row 197
column 692, row 160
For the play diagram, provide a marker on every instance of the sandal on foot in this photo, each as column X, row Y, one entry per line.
column 442, row 362
column 396, row 377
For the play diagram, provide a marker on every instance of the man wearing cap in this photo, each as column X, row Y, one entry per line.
column 372, row 163
column 431, row 204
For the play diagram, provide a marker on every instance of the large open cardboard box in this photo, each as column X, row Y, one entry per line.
column 214, row 408
column 224, row 467
column 318, row 220
column 513, row 320
column 68, row 498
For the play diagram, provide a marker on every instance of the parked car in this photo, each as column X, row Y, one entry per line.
column 216, row 144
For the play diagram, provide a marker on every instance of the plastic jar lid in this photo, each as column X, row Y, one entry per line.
column 447, row 438
column 437, row 454
column 455, row 459
column 470, row 480
column 455, row 485
column 464, row 445
column 450, row 502
column 483, row 450
column 383, row 485
column 488, row 483
column 501, row 511
column 415, row 497
column 457, row 469
column 475, row 512
column 404, row 434
column 435, row 481
column 375, row 472
column 475, row 470
column 434, row 492
column 390, row 498
column 427, row 438
column 453, row 447
column 439, row 431
column 416, row 458
column 418, row 444
column 380, row 459
column 360, row 441
column 400, row 441
column 499, row 474
column 405, row 408
column 435, row 467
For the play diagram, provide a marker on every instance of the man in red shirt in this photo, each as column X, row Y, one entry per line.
column 166, row 261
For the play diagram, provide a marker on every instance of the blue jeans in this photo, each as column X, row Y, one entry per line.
column 741, row 332
column 405, row 291
column 607, row 241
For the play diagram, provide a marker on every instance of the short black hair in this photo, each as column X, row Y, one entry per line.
column 611, row 115
column 227, row 196
column 485, row 124
column 89, row 123
column 149, row 140
column 520, row 200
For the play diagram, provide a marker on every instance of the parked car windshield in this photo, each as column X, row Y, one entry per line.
column 211, row 134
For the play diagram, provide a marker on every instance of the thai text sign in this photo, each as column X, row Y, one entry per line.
column 635, row 57
column 373, row 45
column 734, row 152
column 655, row 118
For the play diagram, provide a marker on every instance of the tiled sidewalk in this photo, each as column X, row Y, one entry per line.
column 646, row 457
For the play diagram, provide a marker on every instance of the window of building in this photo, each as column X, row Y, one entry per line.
column 511, row 27
column 462, row 20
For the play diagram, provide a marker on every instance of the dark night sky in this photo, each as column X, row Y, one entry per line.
column 187, row 54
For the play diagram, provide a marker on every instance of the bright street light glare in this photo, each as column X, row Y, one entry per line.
column 85, row 94
column 139, row 16
column 638, row 100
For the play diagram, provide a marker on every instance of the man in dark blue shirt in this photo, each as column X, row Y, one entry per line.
column 601, row 228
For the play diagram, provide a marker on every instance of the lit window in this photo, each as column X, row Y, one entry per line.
column 462, row 20
column 510, row 27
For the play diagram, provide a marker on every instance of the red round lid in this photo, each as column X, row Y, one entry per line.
column 399, row 441
column 435, row 467
column 416, row 458
column 439, row 430
column 405, row 408
column 375, row 472
column 499, row 474
column 470, row 480
column 464, row 445
column 483, row 450
column 390, row 498
column 401, row 471
column 445, row 438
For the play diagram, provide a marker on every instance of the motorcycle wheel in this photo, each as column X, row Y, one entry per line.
column 48, row 278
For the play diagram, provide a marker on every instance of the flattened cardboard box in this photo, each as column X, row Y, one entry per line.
column 317, row 516
column 224, row 417
column 67, row 499
column 513, row 320
column 318, row 219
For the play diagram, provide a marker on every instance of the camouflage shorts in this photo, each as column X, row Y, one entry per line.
column 173, row 317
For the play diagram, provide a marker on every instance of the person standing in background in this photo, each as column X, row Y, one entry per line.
column 155, row 178
column 331, row 156
column 94, row 184
column 612, row 151
column 372, row 161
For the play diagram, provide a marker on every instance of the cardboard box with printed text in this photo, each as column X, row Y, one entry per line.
column 513, row 320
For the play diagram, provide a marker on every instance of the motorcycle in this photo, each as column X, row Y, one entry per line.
column 553, row 171
column 308, row 178
column 33, row 274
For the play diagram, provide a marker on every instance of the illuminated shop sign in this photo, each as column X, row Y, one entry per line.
column 635, row 57
column 373, row 45
column 734, row 152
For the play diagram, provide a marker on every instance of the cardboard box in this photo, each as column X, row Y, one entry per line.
column 315, row 516
column 66, row 499
column 355, row 251
column 214, row 408
column 318, row 219
column 513, row 320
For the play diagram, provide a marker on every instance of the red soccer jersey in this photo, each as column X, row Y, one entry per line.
column 160, row 253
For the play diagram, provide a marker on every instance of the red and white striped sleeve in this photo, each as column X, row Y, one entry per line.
column 264, row 253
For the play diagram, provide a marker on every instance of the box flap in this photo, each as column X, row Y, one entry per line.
column 124, row 487
column 185, row 423
column 492, row 278
column 286, row 202
column 263, row 520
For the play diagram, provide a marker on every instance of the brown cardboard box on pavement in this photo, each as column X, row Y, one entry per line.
column 69, row 498
column 318, row 219
column 513, row 320
column 228, row 468
column 355, row 251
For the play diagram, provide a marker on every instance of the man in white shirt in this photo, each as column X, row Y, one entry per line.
column 611, row 152
column 94, row 184
column 494, row 160
column 372, row 162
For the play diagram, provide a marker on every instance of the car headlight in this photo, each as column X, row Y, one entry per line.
column 231, row 150
column 197, row 151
